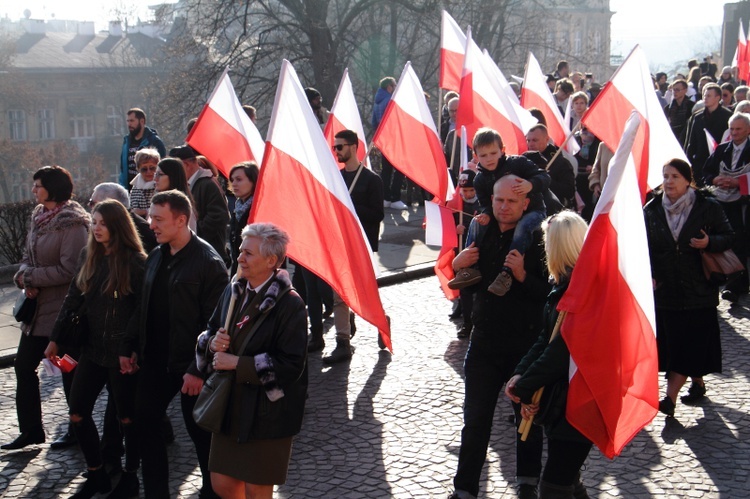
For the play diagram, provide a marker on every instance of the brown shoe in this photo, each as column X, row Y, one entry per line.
column 501, row 284
column 465, row 278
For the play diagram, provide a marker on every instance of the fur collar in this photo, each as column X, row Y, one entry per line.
column 70, row 215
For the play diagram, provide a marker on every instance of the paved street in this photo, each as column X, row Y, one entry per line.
column 389, row 426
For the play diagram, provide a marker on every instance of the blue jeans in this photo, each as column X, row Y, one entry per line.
column 522, row 236
column 487, row 367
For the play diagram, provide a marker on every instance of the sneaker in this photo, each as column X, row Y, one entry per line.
column 341, row 353
column 386, row 204
column 501, row 284
column 465, row 278
column 398, row 205
column 666, row 406
column 696, row 392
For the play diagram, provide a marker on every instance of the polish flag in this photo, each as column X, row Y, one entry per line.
column 504, row 84
column 631, row 88
column 483, row 102
column 535, row 93
column 440, row 230
column 407, row 137
column 610, row 325
column 571, row 146
column 326, row 236
column 740, row 60
column 711, row 142
column 224, row 133
column 344, row 115
column 452, row 43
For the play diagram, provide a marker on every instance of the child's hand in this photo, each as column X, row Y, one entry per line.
column 482, row 219
column 522, row 186
column 460, row 229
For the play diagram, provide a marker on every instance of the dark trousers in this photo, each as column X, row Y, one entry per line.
column 564, row 461
column 28, row 399
column 156, row 388
column 88, row 382
column 736, row 216
column 487, row 369
column 467, row 304
column 392, row 181
column 318, row 294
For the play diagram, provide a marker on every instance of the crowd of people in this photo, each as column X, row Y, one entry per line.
column 171, row 285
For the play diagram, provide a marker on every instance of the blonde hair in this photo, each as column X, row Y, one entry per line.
column 564, row 233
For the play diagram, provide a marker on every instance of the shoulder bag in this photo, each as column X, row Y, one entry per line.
column 74, row 329
column 25, row 308
column 719, row 267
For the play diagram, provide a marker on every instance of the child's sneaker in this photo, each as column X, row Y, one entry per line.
column 501, row 284
column 465, row 278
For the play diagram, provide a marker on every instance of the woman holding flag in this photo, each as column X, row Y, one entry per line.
column 548, row 362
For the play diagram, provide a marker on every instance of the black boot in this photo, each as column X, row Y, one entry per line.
column 68, row 439
column 35, row 436
column 316, row 342
column 97, row 483
column 550, row 491
column 127, row 487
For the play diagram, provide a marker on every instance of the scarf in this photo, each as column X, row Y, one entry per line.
column 242, row 207
column 678, row 211
column 45, row 216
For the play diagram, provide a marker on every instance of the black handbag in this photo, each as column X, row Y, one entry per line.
column 74, row 328
column 25, row 308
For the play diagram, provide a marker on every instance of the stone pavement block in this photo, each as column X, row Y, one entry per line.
column 389, row 426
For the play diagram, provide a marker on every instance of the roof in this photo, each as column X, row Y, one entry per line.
column 76, row 51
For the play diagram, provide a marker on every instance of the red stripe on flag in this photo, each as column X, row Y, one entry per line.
column 451, row 64
column 219, row 141
column 326, row 237
column 531, row 99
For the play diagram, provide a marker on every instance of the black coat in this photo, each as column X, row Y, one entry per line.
column 235, row 237
column 547, row 363
column 367, row 198
column 197, row 278
column 676, row 267
column 283, row 336
column 696, row 146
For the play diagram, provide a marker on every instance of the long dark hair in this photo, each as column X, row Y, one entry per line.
column 123, row 244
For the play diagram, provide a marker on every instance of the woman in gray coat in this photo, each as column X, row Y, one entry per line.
column 59, row 228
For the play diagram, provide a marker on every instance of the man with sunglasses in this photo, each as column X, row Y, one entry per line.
column 366, row 191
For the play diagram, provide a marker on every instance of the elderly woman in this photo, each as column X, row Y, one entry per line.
column 681, row 223
column 268, row 399
column 142, row 187
column 58, row 232
column 548, row 363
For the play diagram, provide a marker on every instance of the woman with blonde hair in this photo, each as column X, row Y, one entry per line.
column 548, row 362
column 107, row 288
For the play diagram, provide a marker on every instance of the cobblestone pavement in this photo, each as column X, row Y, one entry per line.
column 389, row 426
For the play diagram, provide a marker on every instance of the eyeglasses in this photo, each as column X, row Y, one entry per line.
column 148, row 169
column 339, row 147
column 92, row 203
column 159, row 174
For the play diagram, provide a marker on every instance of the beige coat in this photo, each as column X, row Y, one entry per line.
column 49, row 262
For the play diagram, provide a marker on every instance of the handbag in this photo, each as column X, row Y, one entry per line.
column 74, row 328
column 210, row 410
column 24, row 308
column 719, row 267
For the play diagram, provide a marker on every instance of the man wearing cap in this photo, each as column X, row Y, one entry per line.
column 210, row 204
column 316, row 103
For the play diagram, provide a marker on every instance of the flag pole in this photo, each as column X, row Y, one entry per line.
column 525, row 427
column 559, row 149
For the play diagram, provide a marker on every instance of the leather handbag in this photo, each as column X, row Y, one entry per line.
column 719, row 267
column 74, row 329
column 25, row 308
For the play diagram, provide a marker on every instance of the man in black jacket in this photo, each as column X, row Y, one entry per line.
column 184, row 279
column 713, row 118
column 366, row 191
column 505, row 327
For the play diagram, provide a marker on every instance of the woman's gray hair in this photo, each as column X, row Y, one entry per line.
column 273, row 240
column 146, row 153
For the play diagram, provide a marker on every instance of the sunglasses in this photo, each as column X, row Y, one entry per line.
column 339, row 147
column 148, row 169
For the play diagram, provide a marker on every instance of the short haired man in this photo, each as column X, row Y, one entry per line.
column 184, row 278
column 505, row 327
column 451, row 143
column 562, row 70
column 727, row 169
column 714, row 118
column 392, row 178
column 366, row 191
column 210, row 203
column 563, row 90
column 679, row 110
column 561, row 173
column 139, row 136
column 251, row 112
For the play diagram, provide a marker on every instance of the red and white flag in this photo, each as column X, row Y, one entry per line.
column 631, row 88
column 452, row 43
column 224, row 133
column 535, row 93
column 711, row 142
column 504, row 84
column 345, row 116
column 610, row 324
column 440, row 230
column 407, row 137
column 326, row 236
column 741, row 60
column 483, row 102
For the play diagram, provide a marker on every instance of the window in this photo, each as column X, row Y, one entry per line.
column 17, row 122
column 46, row 123
column 597, row 43
column 577, row 42
column 82, row 127
column 114, row 121
column 20, row 186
